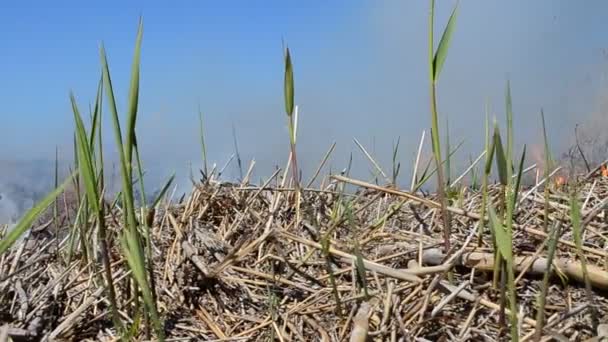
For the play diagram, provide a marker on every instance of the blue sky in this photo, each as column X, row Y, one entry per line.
column 360, row 70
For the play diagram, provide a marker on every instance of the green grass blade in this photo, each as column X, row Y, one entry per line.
column 504, row 242
column 548, row 168
column 359, row 265
column 501, row 161
column 431, row 42
column 490, row 147
column 100, row 165
column 163, row 191
column 426, row 175
column 509, row 110
column 548, row 158
column 133, row 252
column 396, row 163
column 28, row 219
column 107, row 80
column 74, row 232
column 237, row 153
column 84, row 159
column 444, row 43
column 519, row 176
column 96, row 120
column 133, row 95
column 56, row 184
column 140, row 175
column 203, row 145
column 503, row 237
column 131, row 239
column 490, row 154
column 132, row 243
column 288, row 84
column 89, row 176
column 448, row 166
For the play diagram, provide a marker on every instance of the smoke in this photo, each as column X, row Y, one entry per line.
column 22, row 183
column 360, row 73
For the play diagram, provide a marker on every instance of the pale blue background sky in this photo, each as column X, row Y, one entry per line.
column 360, row 71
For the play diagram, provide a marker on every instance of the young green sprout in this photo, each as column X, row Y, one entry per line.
column 89, row 175
column 502, row 228
column 289, row 110
column 292, row 121
column 547, row 170
column 131, row 239
column 203, row 145
column 436, row 61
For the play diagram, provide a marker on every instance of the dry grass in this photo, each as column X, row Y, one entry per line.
column 231, row 265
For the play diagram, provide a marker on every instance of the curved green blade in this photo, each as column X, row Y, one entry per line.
column 444, row 44
column 288, row 87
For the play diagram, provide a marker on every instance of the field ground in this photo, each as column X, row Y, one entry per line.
column 231, row 263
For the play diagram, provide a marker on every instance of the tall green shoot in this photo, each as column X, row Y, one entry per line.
column 396, row 164
column 503, row 232
column 93, row 198
column 504, row 244
column 56, row 185
column 289, row 110
column 436, row 61
column 131, row 239
column 489, row 147
column 239, row 161
column 292, row 119
column 448, row 160
column 359, row 264
column 203, row 145
column 547, row 170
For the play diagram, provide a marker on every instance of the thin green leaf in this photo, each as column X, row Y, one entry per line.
column 162, row 192
column 133, row 95
column 503, row 237
column 96, row 120
column 203, row 145
column 490, row 155
column 548, row 158
column 509, row 110
column 288, row 84
column 501, row 162
column 360, row 269
column 360, row 266
column 107, row 80
column 84, row 159
column 426, row 175
column 519, row 176
column 448, row 166
column 431, row 43
column 30, row 216
column 444, row 43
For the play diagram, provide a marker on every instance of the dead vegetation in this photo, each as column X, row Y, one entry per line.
column 229, row 264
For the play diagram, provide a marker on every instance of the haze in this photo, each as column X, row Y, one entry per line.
column 360, row 72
